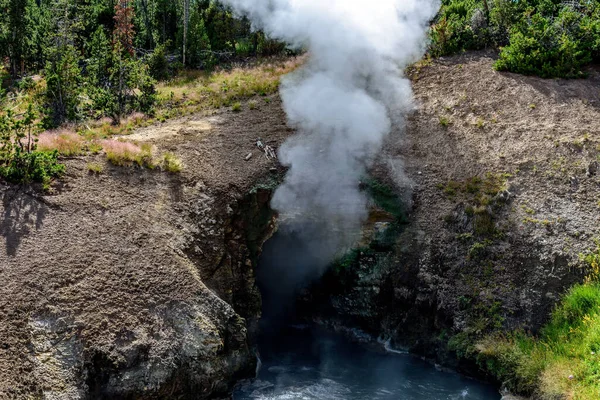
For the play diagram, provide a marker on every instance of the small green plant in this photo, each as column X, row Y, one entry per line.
column 171, row 163
column 444, row 121
column 20, row 160
column 479, row 249
column 236, row 107
column 465, row 237
column 252, row 104
column 95, row 168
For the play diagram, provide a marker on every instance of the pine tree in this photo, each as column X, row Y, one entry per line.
column 63, row 76
column 122, row 58
column 119, row 83
column 39, row 29
column 198, row 42
column 16, row 32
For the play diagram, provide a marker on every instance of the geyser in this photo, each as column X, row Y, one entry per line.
column 342, row 103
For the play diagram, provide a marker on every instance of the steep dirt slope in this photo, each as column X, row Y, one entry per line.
column 102, row 290
column 501, row 176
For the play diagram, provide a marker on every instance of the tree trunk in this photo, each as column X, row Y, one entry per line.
column 186, row 19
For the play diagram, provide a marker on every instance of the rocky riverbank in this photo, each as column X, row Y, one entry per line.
column 501, row 191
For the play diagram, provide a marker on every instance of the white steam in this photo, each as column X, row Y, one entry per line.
column 343, row 103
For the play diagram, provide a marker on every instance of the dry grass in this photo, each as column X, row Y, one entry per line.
column 127, row 154
column 223, row 88
column 95, row 168
column 67, row 142
column 122, row 153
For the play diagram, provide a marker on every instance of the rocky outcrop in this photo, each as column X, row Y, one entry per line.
column 501, row 200
column 247, row 224
column 139, row 284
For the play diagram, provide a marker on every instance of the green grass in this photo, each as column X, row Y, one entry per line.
column 171, row 163
column 195, row 90
column 95, row 168
column 563, row 361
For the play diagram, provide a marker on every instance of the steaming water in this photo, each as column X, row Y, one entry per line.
column 305, row 363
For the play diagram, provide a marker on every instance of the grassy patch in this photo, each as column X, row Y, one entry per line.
column 67, row 143
column 564, row 360
column 222, row 88
column 171, row 163
column 95, row 168
column 126, row 154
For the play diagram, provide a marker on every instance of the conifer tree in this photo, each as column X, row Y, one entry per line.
column 63, row 75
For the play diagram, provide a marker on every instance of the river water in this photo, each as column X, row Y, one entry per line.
column 300, row 362
column 305, row 363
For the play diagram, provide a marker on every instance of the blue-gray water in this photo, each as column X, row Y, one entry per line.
column 309, row 364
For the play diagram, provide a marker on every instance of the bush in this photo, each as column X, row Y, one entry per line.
column 158, row 64
column 540, row 46
column 20, row 161
column 536, row 37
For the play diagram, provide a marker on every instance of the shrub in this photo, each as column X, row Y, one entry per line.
column 20, row 160
column 171, row 163
column 540, row 46
column 536, row 37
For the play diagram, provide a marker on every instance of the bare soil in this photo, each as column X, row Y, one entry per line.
column 545, row 135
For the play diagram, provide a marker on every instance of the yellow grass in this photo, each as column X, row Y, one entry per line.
column 222, row 88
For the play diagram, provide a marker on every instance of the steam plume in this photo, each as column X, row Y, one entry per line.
column 343, row 103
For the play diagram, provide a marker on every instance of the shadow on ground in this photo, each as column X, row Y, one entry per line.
column 20, row 213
